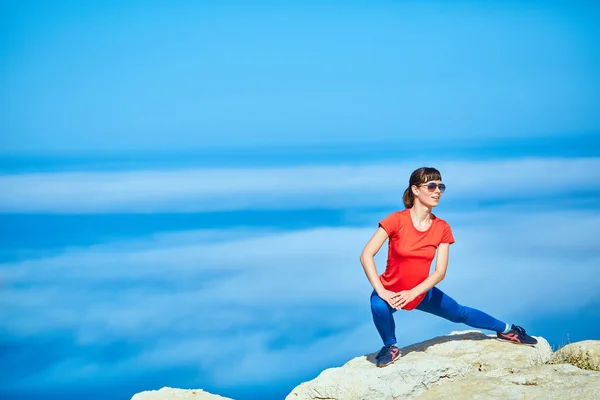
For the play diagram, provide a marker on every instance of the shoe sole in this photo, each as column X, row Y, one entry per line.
column 514, row 342
column 391, row 362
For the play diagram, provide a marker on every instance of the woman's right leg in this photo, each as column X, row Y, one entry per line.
column 383, row 319
column 439, row 303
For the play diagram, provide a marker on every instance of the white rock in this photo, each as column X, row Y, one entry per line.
column 542, row 382
column 168, row 393
column 463, row 365
column 585, row 353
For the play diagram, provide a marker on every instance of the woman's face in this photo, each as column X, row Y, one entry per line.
column 429, row 193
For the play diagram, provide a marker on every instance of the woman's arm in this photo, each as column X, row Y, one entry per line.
column 436, row 277
column 367, row 257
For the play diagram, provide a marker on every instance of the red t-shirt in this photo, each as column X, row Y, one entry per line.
column 410, row 252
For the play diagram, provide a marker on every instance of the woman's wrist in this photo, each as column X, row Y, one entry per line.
column 379, row 290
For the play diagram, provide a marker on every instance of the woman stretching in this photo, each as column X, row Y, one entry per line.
column 413, row 236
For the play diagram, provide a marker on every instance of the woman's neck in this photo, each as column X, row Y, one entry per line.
column 420, row 213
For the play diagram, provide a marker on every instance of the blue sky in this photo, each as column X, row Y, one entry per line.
column 185, row 188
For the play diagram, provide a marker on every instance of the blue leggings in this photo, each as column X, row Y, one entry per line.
column 437, row 303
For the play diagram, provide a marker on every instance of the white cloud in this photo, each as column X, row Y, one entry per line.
column 284, row 188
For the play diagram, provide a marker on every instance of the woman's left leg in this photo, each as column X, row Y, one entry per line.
column 438, row 303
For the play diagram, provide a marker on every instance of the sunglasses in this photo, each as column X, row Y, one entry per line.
column 431, row 186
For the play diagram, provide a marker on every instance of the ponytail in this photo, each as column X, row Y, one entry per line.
column 409, row 199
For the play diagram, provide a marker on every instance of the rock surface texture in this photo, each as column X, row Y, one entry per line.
column 584, row 354
column 462, row 365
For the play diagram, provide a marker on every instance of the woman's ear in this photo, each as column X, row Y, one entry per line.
column 414, row 190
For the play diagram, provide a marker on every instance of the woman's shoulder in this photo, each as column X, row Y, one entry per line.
column 401, row 215
column 393, row 221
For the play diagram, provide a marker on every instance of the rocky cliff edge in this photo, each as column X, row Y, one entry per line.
column 462, row 365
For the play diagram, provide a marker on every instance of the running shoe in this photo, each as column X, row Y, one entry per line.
column 387, row 355
column 383, row 350
column 517, row 335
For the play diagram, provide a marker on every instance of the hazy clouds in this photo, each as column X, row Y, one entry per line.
column 337, row 186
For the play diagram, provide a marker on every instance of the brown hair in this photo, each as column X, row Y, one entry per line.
column 419, row 177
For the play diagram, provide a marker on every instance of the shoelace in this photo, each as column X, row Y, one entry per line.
column 519, row 329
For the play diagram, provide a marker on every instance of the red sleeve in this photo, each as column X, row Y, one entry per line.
column 447, row 236
column 391, row 224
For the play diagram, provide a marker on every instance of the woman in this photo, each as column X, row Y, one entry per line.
column 414, row 234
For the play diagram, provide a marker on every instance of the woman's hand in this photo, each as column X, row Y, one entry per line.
column 404, row 297
column 391, row 298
